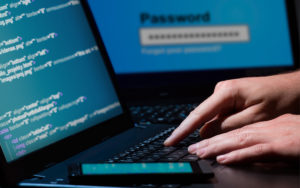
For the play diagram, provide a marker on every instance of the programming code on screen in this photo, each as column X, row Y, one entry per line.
column 52, row 78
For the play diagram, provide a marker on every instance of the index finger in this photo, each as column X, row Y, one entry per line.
column 214, row 105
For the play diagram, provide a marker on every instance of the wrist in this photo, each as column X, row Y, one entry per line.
column 290, row 85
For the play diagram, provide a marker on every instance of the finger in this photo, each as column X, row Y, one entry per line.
column 227, row 142
column 259, row 152
column 214, row 105
column 212, row 128
column 224, row 124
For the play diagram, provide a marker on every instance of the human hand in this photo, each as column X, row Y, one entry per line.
column 262, row 141
column 240, row 102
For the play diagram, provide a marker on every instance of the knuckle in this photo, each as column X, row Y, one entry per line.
column 206, row 143
column 291, row 143
column 260, row 149
column 286, row 116
column 243, row 139
column 219, row 85
column 237, row 132
column 226, row 85
column 246, row 128
column 211, row 150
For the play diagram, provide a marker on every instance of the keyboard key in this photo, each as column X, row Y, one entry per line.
column 170, row 186
column 168, row 150
column 152, row 150
column 128, row 160
column 168, row 159
column 179, row 153
column 190, row 158
column 169, row 114
column 157, row 155
column 148, row 186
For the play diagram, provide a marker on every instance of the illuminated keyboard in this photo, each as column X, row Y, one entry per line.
column 161, row 114
column 153, row 150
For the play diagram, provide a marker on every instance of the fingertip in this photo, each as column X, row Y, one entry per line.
column 167, row 142
column 172, row 140
column 221, row 158
column 192, row 149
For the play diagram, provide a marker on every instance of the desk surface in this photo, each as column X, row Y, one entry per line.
column 259, row 176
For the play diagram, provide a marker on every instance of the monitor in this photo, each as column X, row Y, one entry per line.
column 154, row 43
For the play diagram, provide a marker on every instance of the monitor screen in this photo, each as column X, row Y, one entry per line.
column 154, row 36
column 53, row 80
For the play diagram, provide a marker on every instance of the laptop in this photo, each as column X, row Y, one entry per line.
column 59, row 100
column 175, row 51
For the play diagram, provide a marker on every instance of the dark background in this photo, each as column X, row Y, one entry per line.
column 298, row 14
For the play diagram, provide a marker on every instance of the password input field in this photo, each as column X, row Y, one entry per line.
column 194, row 35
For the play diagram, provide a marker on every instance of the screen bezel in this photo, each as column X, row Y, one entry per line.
column 24, row 167
column 159, row 85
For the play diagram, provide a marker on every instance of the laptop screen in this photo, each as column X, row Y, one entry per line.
column 154, row 36
column 53, row 80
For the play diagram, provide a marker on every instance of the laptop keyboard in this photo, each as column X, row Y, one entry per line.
column 163, row 114
column 153, row 150
column 150, row 150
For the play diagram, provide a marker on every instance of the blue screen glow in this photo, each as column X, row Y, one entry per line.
column 184, row 35
column 53, row 80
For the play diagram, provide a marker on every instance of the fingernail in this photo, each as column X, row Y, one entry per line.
column 169, row 139
column 201, row 152
column 222, row 159
column 192, row 149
